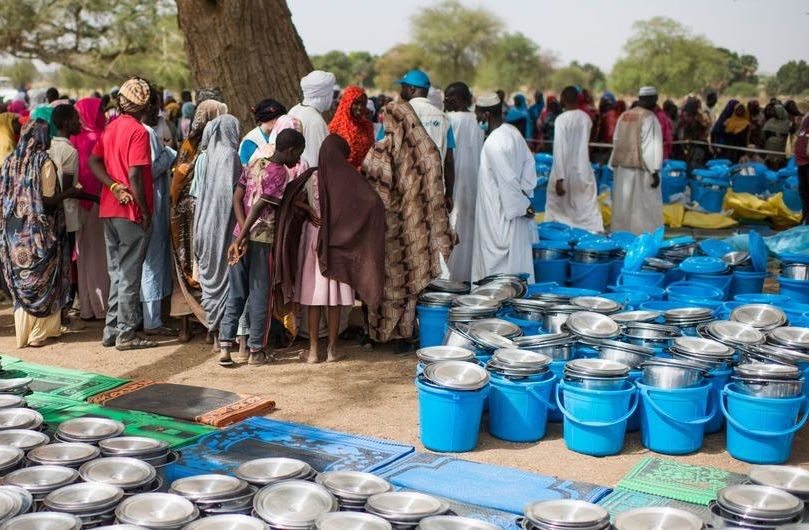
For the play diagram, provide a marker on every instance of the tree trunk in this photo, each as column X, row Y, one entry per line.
column 248, row 48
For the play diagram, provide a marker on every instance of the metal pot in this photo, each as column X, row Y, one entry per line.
column 405, row 508
column 662, row 518
column 566, row 514
column 591, row 325
column 293, row 504
column 157, row 510
column 628, row 354
column 353, row 488
column 795, row 271
column 63, row 454
column 757, row 506
column 769, row 388
column 88, row 429
column 457, row 335
column 558, row 346
column 672, row 373
column 794, row 480
column 598, row 374
column 24, row 439
column 554, row 318
column 764, row 317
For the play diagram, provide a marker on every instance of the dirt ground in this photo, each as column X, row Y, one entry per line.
column 369, row 393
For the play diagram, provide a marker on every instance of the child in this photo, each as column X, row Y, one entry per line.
column 257, row 194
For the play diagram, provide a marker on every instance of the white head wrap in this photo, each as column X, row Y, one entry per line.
column 436, row 97
column 647, row 91
column 487, row 99
column 318, row 90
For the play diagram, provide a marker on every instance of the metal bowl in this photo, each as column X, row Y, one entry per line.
column 488, row 340
column 672, row 373
column 84, row 498
column 126, row 473
column 89, row 429
column 794, row 480
column 39, row 480
column 592, row 325
column 19, row 418
column 405, row 506
column 597, row 304
column 436, row 299
column 761, row 316
column 208, row 487
column 263, row 471
column 64, row 454
column 628, row 354
column 791, row 337
column 731, row 333
column 156, row 510
column 293, row 503
column 768, row 371
column 795, row 271
column 759, row 503
column 11, row 401
column 24, row 439
column 654, row 518
column 498, row 326
column 457, row 335
column 43, row 521
column 434, row 354
column 453, row 522
column 353, row 485
column 736, row 258
column 134, row 446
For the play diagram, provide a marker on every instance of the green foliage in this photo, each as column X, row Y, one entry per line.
column 792, row 78
column 454, row 39
column 396, row 61
column 585, row 75
column 21, row 72
column 515, row 61
column 663, row 53
column 742, row 89
column 740, row 68
column 354, row 68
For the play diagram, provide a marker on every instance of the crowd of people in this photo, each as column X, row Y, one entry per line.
column 134, row 207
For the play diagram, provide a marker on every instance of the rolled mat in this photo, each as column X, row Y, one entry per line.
column 62, row 382
column 622, row 500
column 488, row 486
column 674, row 480
column 208, row 406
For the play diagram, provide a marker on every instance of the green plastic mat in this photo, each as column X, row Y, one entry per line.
column 62, row 382
column 674, row 480
column 6, row 360
column 623, row 500
column 55, row 410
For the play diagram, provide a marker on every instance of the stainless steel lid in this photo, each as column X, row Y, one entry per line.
column 64, row 454
column 449, row 286
column 496, row 290
column 405, row 505
column 207, row 487
column 10, row 504
column 516, row 358
column 43, row 521
column 263, row 471
column 89, row 429
column 24, row 439
column 353, row 484
column 132, row 446
column 351, row 521
column 453, row 522
column 603, row 368
column 124, row 472
column 489, row 340
column 227, row 522
column 791, row 336
column 636, row 316
column 15, row 385
column 658, row 518
column 156, row 510
column 703, row 347
column 728, row 331
column 618, row 345
column 567, row 513
column 595, row 325
column 759, row 502
column 795, row 480
column 10, row 456
column 24, row 496
column 19, row 418
column 41, row 479
column 687, row 314
column 498, row 326
column 760, row 316
column 293, row 503
column 596, row 304
column 476, row 301
column 84, row 497
column 457, row 375
column 552, row 339
column 437, row 299
column 433, row 354
column 768, row 371
column 735, row 258
column 10, row 401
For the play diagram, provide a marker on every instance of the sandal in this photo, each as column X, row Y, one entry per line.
column 225, row 360
column 162, row 331
column 136, row 343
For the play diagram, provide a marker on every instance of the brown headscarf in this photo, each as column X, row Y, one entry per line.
column 351, row 244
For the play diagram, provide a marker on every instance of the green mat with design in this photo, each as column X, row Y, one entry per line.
column 62, row 382
column 678, row 481
column 622, row 500
column 56, row 409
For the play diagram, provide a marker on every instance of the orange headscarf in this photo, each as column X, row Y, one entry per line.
column 359, row 133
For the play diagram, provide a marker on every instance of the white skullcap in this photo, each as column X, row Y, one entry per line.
column 647, row 91
column 318, row 89
column 487, row 99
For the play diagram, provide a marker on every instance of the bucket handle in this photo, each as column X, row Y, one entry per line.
column 696, row 421
column 658, row 281
column 534, row 392
column 764, row 434
column 457, row 395
column 590, row 269
column 572, row 418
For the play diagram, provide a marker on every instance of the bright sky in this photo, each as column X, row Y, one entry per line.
column 775, row 31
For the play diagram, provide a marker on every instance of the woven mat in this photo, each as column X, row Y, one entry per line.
column 622, row 500
column 62, row 382
column 191, row 403
column 674, row 480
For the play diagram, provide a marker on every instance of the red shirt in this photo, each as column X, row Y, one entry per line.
column 122, row 145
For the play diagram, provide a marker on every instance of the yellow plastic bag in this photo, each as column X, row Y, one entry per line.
column 707, row 220
column 673, row 214
column 606, row 209
column 748, row 206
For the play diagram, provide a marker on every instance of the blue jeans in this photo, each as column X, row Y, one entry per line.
column 250, row 281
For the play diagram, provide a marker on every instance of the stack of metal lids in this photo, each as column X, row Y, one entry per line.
column 500, row 290
column 26, row 500
column 773, row 353
column 92, row 502
column 405, row 509
column 68, row 454
column 731, row 333
column 764, row 317
column 687, row 317
column 41, row 520
column 517, row 364
column 216, row 494
column 498, row 326
column 88, row 429
column 41, row 480
column 263, row 471
column 707, row 351
column 293, row 504
column 503, row 277
column 641, row 331
column 156, row 511
column 556, row 298
column 18, row 386
column 155, row 452
column 448, row 286
column 24, row 439
column 456, row 375
column 595, row 370
column 530, row 309
column 565, row 514
column 757, row 506
column 631, row 355
column 353, row 488
column 790, row 337
column 588, row 324
column 657, row 265
column 11, row 401
column 488, row 340
column 781, row 372
column 351, row 521
column 658, row 518
column 20, row 418
column 626, row 317
column 433, row 354
column 225, row 522
column 794, row 480
column 11, row 458
column 129, row 474
column 476, row 300
column 596, row 304
column 466, row 309
column 436, row 299
column 454, row 522
column 540, row 341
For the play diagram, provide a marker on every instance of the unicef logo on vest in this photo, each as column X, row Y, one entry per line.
column 436, row 123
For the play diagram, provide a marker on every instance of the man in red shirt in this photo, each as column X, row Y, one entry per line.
column 122, row 162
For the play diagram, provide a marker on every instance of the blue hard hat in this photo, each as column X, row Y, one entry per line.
column 415, row 78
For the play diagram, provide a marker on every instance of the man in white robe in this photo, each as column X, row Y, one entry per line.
column 318, row 94
column 504, row 224
column 468, row 144
column 637, row 155
column 572, row 190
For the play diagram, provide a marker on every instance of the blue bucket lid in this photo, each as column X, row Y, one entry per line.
column 624, row 239
column 718, row 162
column 763, row 298
column 651, row 290
column 758, row 251
column 554, row 230
column 551, row 244
column 597, row 245
column 675, row 164
column 789, row 257
column 543, row 158
column 716, row 248
column 703, row 265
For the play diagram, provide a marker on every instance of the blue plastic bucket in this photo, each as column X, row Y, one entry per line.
column 540, row 287
column 589, row 275
column 673, row 419
column 540, row 195
column 630, row 300
column 720, row 281
column 518, row 410
column 449, row 420
column 718, row 379
column 654, row 293
column 641, row 278
column 664, row 305
column 558, row 369
column 673, row 275
column 747, row 282
column 762, row 298
column 529, row 327
column 760, row 430
column 694, row 292
column 615, row 271
column 796, row 290
column 711, row 198
column 551, row 270
column 572, row 292
column 595, row 420
column 432, row 325
column 633, row 423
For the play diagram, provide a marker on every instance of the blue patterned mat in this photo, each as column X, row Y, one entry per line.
column 487, row 486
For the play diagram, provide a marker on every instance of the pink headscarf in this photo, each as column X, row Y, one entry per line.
column 265, row 151
column 18, row 107
column 92, row 124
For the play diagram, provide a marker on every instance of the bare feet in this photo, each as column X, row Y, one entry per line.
column 310, row 356
column 36, row 344
column 333, row 355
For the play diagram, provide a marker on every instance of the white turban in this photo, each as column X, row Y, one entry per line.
column 318, row 90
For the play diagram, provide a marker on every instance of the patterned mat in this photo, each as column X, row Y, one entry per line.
column 622, row 500
column 62, row 382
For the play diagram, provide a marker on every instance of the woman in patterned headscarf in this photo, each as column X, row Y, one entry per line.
column 352, row 124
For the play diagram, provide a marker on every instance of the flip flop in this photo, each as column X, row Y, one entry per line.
column 137, row 343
